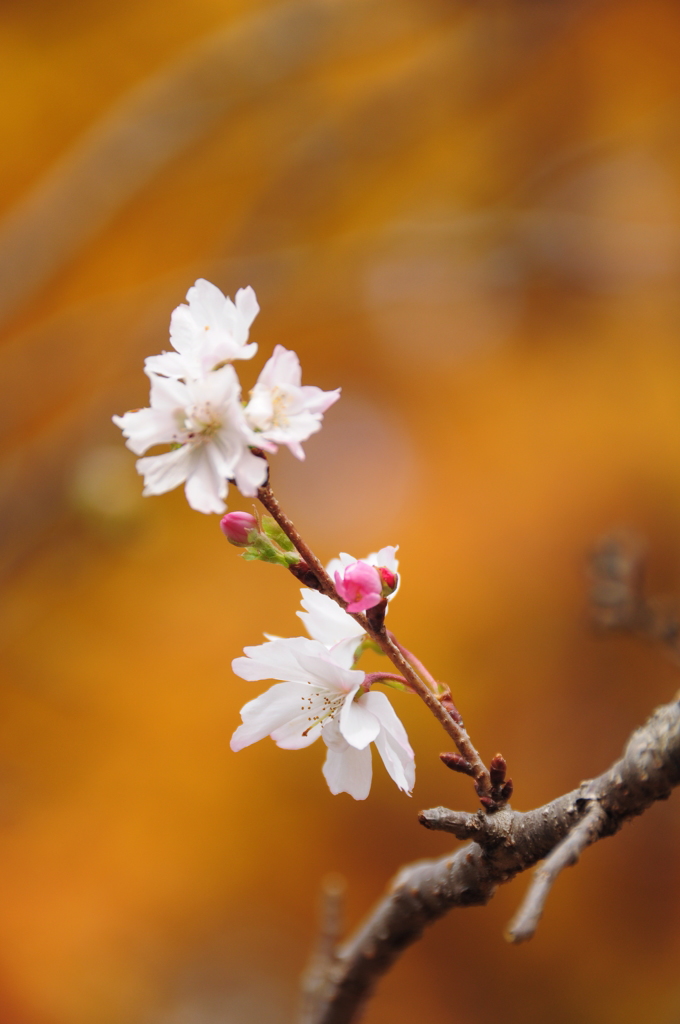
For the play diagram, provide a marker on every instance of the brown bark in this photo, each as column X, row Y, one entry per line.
column 505, row 844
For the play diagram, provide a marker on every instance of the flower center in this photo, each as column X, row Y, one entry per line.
column 280, row 403
column 201, row 423
column 320, row 707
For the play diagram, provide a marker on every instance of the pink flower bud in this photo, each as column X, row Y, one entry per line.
column 236, row 526
column 389, row 580
column 360, row 585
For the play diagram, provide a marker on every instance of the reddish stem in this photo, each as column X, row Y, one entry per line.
column 389, row 646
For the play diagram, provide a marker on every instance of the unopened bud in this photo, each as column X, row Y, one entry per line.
column 446, row 702
column 389, row 580
column 236, row 527
column 360, row 585
column 457, row 763
column 497, row 770
column 507, row 789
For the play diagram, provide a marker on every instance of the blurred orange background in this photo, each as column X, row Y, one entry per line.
column 467, row 216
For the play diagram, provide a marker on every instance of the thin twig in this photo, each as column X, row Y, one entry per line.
column 587, row 831
column 456, row 730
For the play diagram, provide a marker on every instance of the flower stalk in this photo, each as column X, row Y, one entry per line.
column 388, row 645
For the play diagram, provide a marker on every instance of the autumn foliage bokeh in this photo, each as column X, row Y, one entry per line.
column 468, row 216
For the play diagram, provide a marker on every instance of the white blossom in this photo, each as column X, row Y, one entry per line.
column 321, row 695
column 203, row 420
column 209, row 332
column 325, row 620
column 281, row 409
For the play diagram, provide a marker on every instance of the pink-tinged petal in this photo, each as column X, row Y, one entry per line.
column 205, row 489
column 339, row 564
column 357, row 725
column 283, row 367
column 250, row 472
column 296, row 449
column 318, row 401
column 364, row 603
column 268, row 712
column 360, row 585
column 164, row 472
column 348, row 771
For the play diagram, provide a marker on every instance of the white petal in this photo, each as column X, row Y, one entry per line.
column 386, row 556
column 325, row 620
column 260, row 408
column 144, row 428
column 358, row 726
column 250, row 472
column 339, row 563
column 207, row 303
column 205, row 489
column 247, row 305
column 344, row 652
column 164, row 472
column 392, row 742
column 348, row 771
column 168, row 364
column 322, row 671
column 300, row 732
column 272, row 709
column 277, row 659
column 183, row 329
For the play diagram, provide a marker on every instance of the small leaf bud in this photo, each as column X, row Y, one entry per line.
column 457, row 763
column 507, row 789
column 236, row 527
column 497, row 770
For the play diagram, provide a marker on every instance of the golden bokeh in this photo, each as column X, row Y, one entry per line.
column 468, row 217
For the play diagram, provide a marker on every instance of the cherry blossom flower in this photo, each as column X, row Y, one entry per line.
column 325, row 620
column 209, row 332
column 203, row 420
column 281, row 409
column 360, row 585
column 321, row 695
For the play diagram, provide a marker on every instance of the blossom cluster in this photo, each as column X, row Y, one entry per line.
column 215, row 438
column 196, row 407
column 322, row 694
